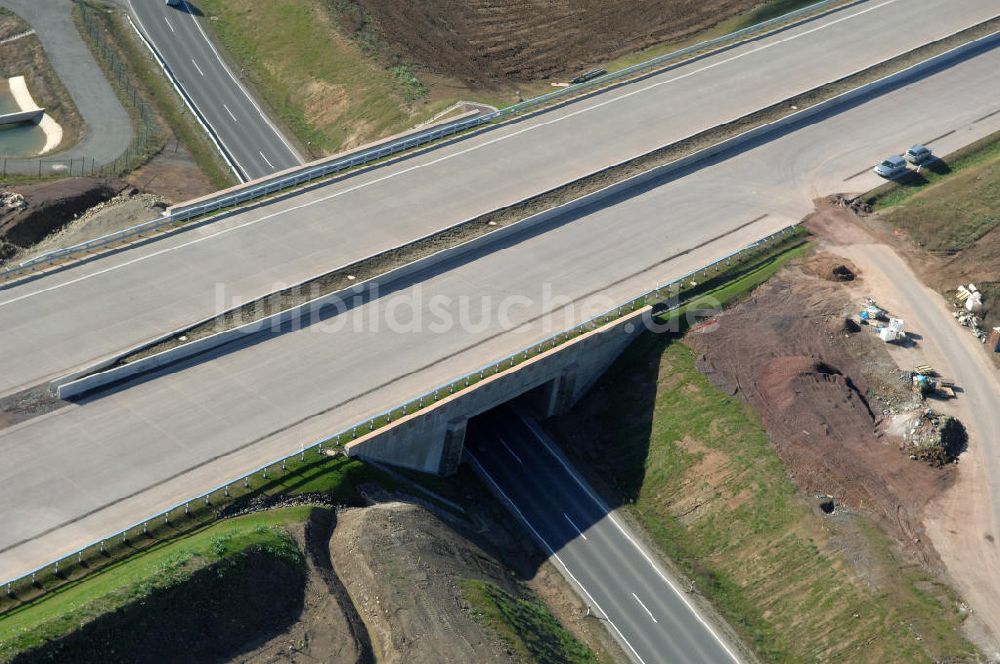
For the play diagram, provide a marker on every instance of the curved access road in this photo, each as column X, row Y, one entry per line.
column 108, row 129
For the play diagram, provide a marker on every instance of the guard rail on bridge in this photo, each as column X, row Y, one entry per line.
column 55, row 572
column 289, row 180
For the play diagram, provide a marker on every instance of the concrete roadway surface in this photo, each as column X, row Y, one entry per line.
column 647, row 613
column 250, row 138
column 69, row 319
column 108, row 129
column 94, row 467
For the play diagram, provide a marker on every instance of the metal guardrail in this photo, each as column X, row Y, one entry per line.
column 306, row 174
column 427, row 399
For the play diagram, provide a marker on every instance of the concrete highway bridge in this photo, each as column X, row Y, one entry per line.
column 117, row 455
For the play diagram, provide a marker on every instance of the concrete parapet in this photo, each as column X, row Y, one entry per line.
column 29, row 110
column 431, row 440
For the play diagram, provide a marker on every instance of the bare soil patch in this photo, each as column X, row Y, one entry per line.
column 490, row 42
column 401, row 566
column 329, row 628
column 48, row 206
column 786, row 352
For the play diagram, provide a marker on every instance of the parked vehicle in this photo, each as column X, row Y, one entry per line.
column 892, row 167
column 918, row 154
column 175, row 3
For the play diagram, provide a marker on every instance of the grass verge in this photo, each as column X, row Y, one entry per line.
column 525, row 625
column 696, row 470
column 336, row 477
column 155, row 570
column 985, row 150
column 764, row 12
column 320, row 84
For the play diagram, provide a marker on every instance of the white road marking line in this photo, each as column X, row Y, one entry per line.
column 252, row 101
column 265, row 159
column 197, row 67
column 147, row 39
column 230, row 113
column 640, row 549
column 512, row 453
column 169, row 25
column 363, row 184
column 644, row 607
column 553, row 554
column 575, row 527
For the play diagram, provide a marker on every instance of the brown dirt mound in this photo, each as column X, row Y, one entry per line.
column 782, row 352
column 830, row 267
column 50, row 206
column 401, row 565
column 820, row 399
column 492, row 41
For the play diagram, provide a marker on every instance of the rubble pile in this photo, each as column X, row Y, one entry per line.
column 853, row 203
column 968, row 304
column 935, row 438
column 11, row 200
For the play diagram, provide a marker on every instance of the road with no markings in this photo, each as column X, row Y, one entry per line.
column 252, row 141
column 618, row 578
column 69, row 319
column 120, row 456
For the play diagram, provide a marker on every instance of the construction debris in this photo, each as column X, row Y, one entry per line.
column 11, row 200
column 854, row 203
column 926, row 383
column 888, row 329
column 969, row 303
column 934, row 438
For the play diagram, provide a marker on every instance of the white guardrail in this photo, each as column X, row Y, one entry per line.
column 280, row 183
column 426, row 400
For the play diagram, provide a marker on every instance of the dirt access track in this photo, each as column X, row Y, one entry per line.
column 962, row 522
column 486, row 42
